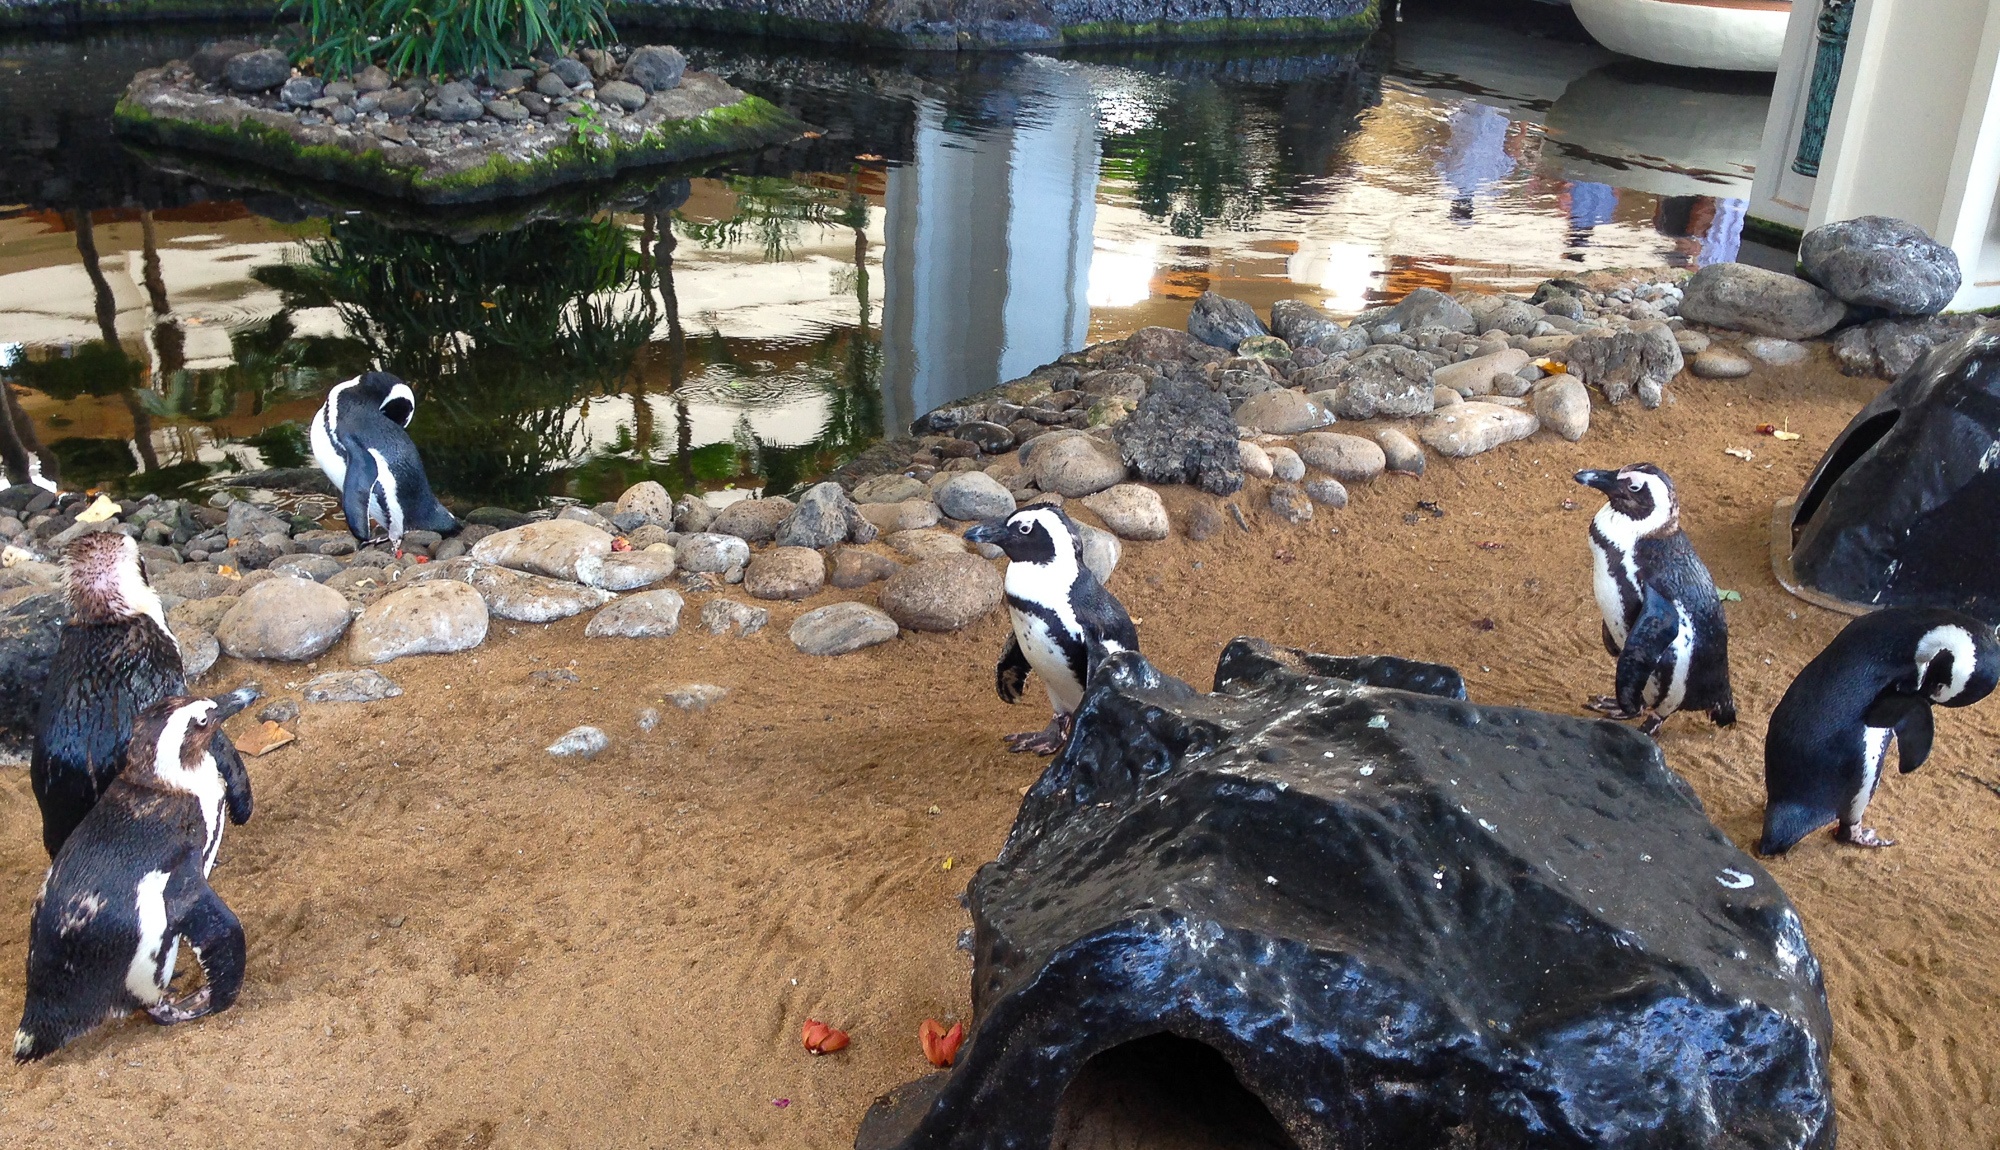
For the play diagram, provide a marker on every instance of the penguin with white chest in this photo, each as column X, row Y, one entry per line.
column 132, row 882
column 1663, row 620
column 1064, row 618
column 360, row 441
column 114, row 658
column 1877, row 680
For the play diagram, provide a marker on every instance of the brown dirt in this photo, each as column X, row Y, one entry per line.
column 459, row 941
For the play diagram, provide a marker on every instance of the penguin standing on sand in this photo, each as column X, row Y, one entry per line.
column 359, row 441
column 1663, row 621
column 132, row 882
column 114, row 658
column 1878, row 679
column 1064, row 619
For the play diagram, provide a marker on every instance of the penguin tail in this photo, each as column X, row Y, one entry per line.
column 1724, row 713
column 1785, row 824
column 30, row 1046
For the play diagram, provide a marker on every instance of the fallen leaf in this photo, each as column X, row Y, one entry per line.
column 1784, row 435
column 1743, row 453
column 228, row 572
column 940, row 1045
column 869, row 158
column 620, row 543
column 262, row 740
column 820, row 1038
column 99, row 511
column 489, row 305
column 1729, row 596
column 947, row 862
column 1490, row 545
column 812, row 135
column 781, row 1103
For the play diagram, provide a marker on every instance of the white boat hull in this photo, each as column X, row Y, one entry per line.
column 1732, row 35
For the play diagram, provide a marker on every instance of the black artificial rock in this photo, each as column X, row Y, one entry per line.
column 1896, row 512
column 1403, row 920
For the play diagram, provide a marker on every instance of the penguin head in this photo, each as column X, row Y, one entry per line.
column 170, row 742
column 1037, row 534
column 106, row 583
column 1958, row 664
column 389, row 394
column 1639, row 492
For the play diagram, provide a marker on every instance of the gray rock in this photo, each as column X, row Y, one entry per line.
column 1563, row 405
column 209, row 61
column 588, row 517
column 909, row 515
column 853, row 567
column 889, row 489
column 371, row 79
column 1475, row 376
column 1640, row 360
column 785, row 573
column 975, row 495
column 575, row 73
column 722, row 616
column 1887, row 348
column 840, row 628
column 623, row 94
column 1400, row 453
column 631, row 570
column 1291, row 504
column 511, row 79
column 194, row 583
column 284, row 618
column 559, row 548
column 30, row 631
column 926, row 544
column 1077, row 463
column 506, row 111
column 694, row 696
column 1471, row 428
column 199, row 651
column 992, row 439
column 1326, row 492
column 1222, row 322
column 646, row 615
column 649, row 499
column 580, row 743
column 1444, row 397
column 1300, row 324
column 400, row 102
column 1428, row 307
column 431, row 618
column 1131, row 511
column 1256, row 461
column 1286, row 465
column 692, row 513
column 1692, row 342
column 824, row 517
column 350, row 687
column 655, row 68
column 257, row 71
column 942, row 594
column 1884, row 263
column 1383, row 382
column 1182, row 433
column 1347, row 457
column 708, row 551
column 753, row 520
column 301, row 91
column 279, row 711
column 454, row 103
column 1101, row 550
column 1720, row 362
column 1740, row 297
column 1281, row 412
column 517, row 595
column 551, row 85
column 1776, row 352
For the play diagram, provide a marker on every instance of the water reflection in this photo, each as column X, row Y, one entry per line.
column 953, row 223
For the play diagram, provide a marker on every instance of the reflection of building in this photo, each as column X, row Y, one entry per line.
column 988, row 245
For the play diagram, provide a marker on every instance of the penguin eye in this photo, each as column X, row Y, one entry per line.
column 1636, row 486
column 1024, row 528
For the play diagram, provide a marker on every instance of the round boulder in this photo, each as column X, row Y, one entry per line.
column 706, row 551
column 1074, row 465
column 1745, row 298
column 655, row 68
column 431, row 618
column 974, row 495
column 257, row 71
column 285, row 618
column 559, row 549
column 1880, row 262
column 839, row 628
column 753, row 520
column 1347, row 457
column 1131, row 511
column 646, row 615
column 647, row 498
column 785, row 573
column 943, row 593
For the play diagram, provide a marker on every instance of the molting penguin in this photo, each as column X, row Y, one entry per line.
column 114, row 659
column 1064, row 619
column 359, row 441
column 132, row 882
column 1663, row 621
column 1878, row 678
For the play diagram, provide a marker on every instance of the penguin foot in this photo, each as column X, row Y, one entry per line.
column 183, row 1009
column 1860, row 836
column 1609, row 707
column 1046, row 741
column 1652, row 723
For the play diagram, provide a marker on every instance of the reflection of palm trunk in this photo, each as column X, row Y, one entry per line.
column 168, row 339
column 20, row 447
column 107, row 306
column 676, row 354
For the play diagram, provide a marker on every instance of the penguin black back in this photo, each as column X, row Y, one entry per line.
column 114, row 658
column 360, row 442
column 1878, row 679
column 132, row 882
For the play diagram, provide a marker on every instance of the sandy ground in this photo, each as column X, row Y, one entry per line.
column 459, row 941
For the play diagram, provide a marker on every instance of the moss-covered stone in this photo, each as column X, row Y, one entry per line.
column 703, row 117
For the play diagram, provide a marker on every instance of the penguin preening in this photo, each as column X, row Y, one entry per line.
column 1663, row 620
column 1064, row 618
column 114, row 658
column 1877, row 680
column 132, row 882
column 360, row 442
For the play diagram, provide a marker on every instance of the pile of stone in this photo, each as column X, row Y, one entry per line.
column 590, row 82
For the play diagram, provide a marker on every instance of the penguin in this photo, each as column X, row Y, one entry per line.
column 132, row 882
column 359, row 440
column 1663, row 620
column 1878, row 679
column 114, row 658
column 1064, row 619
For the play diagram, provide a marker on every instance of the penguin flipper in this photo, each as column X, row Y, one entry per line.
column 1011, row 676
column 235, row 779
column 217, row 937
column 1910, row 717
column 354, row 493
column 1610, row 644
column 1645, row 647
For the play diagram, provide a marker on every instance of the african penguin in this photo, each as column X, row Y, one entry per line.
column 359, row 441
column 1877, row 680
column 1663, row 621
column 132, row 882
column 114, row 658
column 1064, row 619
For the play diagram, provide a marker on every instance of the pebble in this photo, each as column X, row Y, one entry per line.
column 559, row 548
column 753, row 520
column 974, row 495
column 1074, row 465
column 199, row 651
column 646, row 615
column 1131, row 511
column 1719, row 362
column 318, row 568
column 1326, row 492
column 581, row 743
column 1776, row 352
column 785, row 573
column 279, row 711
column 1444, row 397
column 854, row 567
column 1692, row 342
column 1400, row 453
column 433, row 618
column 1475, row 376
column 1202, row 521
column 650, row 499
column 906, row 515
column 1286, row 465
column 722, row 616
column 707, row 551
column 1281, row 412
column 362, row 686
column 649, row 717
column 1257, row 462
column 840, row 628
column 1290, row 503
column 695, row 696
column 1472, row 428
column 926, row 544
column 889, row 489
column 1101, row 550
column 1345, row 457
column 1562, row 403
column 284, row 618
column 942, row 594
column 630, row 570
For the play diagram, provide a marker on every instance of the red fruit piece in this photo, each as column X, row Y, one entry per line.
column 820, row 1038
column 940, row 1045
column 620, row 543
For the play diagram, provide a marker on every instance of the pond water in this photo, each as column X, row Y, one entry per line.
column 956, row 221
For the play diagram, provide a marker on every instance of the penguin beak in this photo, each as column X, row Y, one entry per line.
column 234, row 701
column 1602, row 480
column 991, row 531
